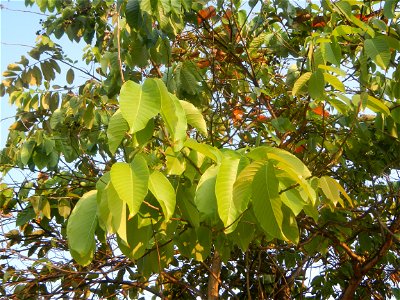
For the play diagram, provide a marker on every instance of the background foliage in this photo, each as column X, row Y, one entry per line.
column 216, row 149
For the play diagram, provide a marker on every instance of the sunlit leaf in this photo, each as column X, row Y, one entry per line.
column 131, row 182
column 139, row 104
column 226, row 178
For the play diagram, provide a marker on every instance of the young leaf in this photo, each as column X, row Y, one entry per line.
column 164, row 192
column 81, row 227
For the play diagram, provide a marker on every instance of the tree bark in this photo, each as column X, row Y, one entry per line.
column 361, row 269
column 213, row 278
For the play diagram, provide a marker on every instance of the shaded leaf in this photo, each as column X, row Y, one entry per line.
column 81, row 228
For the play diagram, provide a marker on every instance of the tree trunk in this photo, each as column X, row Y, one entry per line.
column 213, row 278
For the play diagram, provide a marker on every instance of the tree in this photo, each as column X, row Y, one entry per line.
column 215, row 149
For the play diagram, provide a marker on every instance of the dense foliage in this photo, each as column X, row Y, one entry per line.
column 226, row 149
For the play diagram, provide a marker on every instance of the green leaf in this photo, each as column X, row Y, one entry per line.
column 131, row 182
column 175, row 162
column 139, row 232
column 377, row 105
column 187, row 207
column 103, row 211
column 164, row 192
column 332, row 53
column 282, row 156
column 26, row 151
column 173, row 115
column 289, row 225
column 388, row 8
column 194, row 117
column 117, row 208
column 139, row 104
column 378, row 50
column 205, row 149
column 70, row 76
column 345, row 30
column 329, row 187
column 395, row 113
column 293, row 200
column 226, row 178
column 205, row 198
column 316, row 85
column 81, row 228
column 133, row 14
column 243, row 185
column 303, row 79
column 188, row 77
column 117, row 128
column 267, row 205
column 334, row 81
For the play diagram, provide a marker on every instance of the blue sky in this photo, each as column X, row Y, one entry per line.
column 19, row 25
column 17, row 28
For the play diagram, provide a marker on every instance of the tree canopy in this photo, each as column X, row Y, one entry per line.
column 233, row 149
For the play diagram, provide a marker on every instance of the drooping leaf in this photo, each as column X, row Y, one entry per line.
column 226, row 178
column 243, row 185
column 285, row 157
column 194, row 117
column 329, row 187
column 118, row 211
column 81, row 228
column 377, row 105
column 303, row 79
column 267, row 205
column 173, row 115
column 334, row 82
column 70, row 76
column 117, row 128
column 26, row 151
column 164, row 192
column 289, row 225
column 316, row 85
column 205, row 149
column 205, row 198
column 133, row 14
